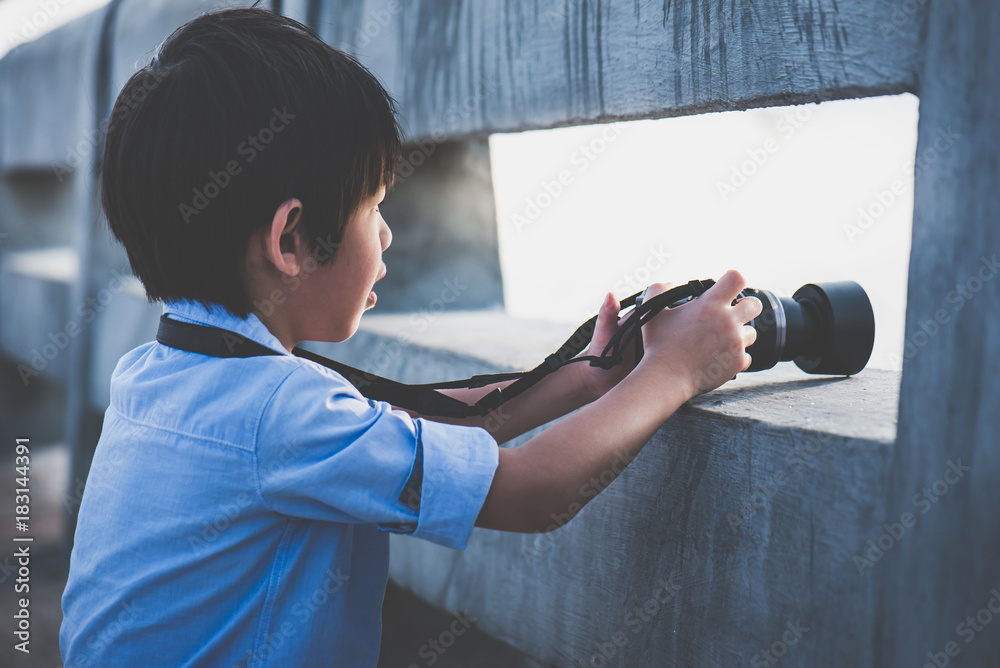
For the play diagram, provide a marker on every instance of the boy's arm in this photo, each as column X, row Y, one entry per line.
column 557, row 394
column 688, row 350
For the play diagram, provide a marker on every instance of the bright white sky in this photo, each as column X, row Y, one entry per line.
column 24, row 20
column 781, row 198
column 589, row 209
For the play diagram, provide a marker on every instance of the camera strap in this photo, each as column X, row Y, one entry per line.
column 425, row 398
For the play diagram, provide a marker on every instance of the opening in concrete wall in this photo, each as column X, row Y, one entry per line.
column 787, row 195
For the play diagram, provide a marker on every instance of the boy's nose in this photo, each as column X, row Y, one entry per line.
column 385, row 235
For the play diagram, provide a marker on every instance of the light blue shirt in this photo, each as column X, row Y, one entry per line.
column 237, row 510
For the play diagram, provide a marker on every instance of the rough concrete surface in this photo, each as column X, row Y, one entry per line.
column 475, row 67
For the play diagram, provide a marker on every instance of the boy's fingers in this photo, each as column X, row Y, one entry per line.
column 607, row 318
column 727, row 288
column 610, row 304
column 656, row 289
column 747, row 309
column 749, row 336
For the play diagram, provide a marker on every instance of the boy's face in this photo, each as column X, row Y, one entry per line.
column 347, row 282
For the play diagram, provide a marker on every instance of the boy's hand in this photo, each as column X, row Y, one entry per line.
column 689, row 349
column 702, row 343
column 598, row 381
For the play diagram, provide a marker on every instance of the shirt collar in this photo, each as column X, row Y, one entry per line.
column 251, row 327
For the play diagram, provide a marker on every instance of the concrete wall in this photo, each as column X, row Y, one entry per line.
column 763, row 512
column 943, row 580
column 475, row 67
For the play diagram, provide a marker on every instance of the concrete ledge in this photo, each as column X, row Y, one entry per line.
column 39, row 337
column 741, row 517
column 35, row 289
column 480, row 67
column 46, row 99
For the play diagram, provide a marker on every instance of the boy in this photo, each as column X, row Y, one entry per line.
column 238, row 509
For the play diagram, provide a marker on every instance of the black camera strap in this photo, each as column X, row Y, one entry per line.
column 424, row 398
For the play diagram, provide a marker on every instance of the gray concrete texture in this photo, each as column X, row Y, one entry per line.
column 477, row 67
column 944, row 584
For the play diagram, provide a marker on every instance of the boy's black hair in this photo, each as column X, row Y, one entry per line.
column 239, row 111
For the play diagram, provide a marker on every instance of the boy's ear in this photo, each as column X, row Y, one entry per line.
column 282, row 245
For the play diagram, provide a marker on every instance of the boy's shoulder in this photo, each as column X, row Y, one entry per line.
column 228, row 399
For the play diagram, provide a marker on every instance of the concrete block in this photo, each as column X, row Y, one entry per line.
column 47, row 99
column 35, row 295
column 941, row 602
column 39, row 210
column 478, row 67
column 445, row 252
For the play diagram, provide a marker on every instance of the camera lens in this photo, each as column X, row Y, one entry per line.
column 825, row 328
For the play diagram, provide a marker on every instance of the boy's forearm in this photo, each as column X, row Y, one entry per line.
column 543, row 483
column 557, row 394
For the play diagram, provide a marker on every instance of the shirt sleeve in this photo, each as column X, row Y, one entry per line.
column 326, row 452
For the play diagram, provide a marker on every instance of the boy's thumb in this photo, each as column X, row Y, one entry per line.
column 610, row 304
column 607, row 320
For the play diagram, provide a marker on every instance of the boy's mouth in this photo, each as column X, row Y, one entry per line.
column 372, row 297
